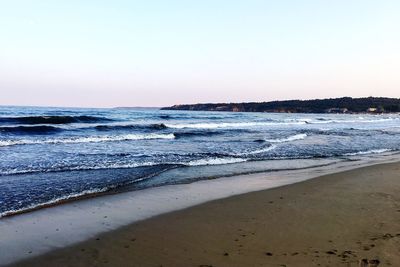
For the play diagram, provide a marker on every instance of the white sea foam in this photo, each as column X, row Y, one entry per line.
column 230, row 125
column 288, row 139
column 359, row 121
column 372, row 151
column 89, row 139
column 335, row 121
column 286, row 122
column 207, row 161
column 322, row 122
column 54, row 201
column 84, row 167
column 258, row 151
column 215, row 161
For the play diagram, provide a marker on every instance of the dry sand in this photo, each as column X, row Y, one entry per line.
column 333, row 220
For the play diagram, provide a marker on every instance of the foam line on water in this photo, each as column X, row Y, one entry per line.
column 372, row 151
column 288, row 139
column 89, row 139
column 215, row 161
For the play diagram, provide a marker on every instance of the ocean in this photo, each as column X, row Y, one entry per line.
column 50, row 155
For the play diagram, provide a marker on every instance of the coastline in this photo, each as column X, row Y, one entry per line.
column 58, row 227
column 117, row 190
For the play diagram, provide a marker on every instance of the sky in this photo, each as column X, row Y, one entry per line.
column 159, row 53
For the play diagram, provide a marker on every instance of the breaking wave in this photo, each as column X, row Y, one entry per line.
column 196, row 133
column 215, row 161
column 372, row 151
column 229, row 124
column 55, row 201
column 160, row 126
column 89, row 139
column 52, row 119
column 288, row 139
column 43, row 129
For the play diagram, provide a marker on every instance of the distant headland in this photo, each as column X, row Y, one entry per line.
column 375, row 105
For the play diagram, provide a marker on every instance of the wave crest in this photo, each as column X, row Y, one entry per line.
column 230, row 125
column 372, row 151
column 43, row 129
column 215, row 161
column 160, row 126
column 52, row 119
column 89, row 139
column 288, row 139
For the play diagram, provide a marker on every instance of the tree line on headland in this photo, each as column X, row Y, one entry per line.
column 332, row 105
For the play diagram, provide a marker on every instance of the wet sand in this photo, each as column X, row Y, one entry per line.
column 334, row 220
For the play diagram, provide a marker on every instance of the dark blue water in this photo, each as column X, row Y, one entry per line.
column 51, row 154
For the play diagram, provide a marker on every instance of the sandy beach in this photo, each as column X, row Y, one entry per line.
column 334, row 220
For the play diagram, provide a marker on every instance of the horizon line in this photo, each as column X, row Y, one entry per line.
column 159, row 107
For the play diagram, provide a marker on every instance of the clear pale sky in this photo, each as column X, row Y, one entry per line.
column 157, row 53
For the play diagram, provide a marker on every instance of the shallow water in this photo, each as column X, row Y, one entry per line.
column 51, row 154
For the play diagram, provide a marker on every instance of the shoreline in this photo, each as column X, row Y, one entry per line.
column 126, row 188
column 54, row 228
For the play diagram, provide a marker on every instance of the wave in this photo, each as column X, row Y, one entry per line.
column 47, row 129
column 361, row 120
column 219, row 125
column 351, row 131
column 104, row 166
column 288, row 139
column 165, row 117
column 336, row 121
column 259, row 151
column 89, row 139
column 43, row 129
column 52, row 119
column 230, row 124
column 159, row 126
column 372, row 151
column 55, row 201
column 215, row 161
column 196, row 133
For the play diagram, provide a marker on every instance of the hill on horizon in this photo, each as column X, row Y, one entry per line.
column 330, row 105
